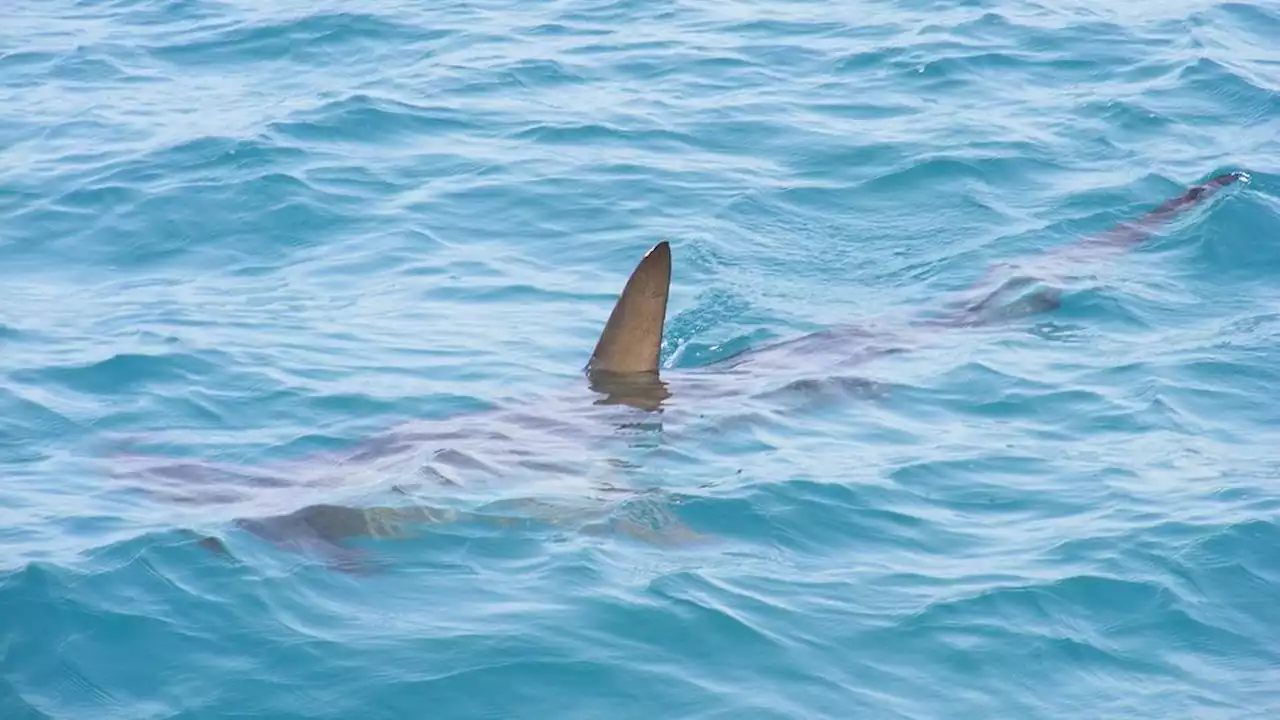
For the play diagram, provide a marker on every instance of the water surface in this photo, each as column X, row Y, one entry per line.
column 248, row 235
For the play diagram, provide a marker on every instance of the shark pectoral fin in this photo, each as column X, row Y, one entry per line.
column 632, row 338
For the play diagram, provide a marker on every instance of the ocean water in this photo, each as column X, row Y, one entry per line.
column 240, row 242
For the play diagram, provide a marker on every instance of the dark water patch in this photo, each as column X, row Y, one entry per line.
column 180, row 197
column 365, row 118
column 173, row 13
column 321, row 36
column 826, row 518
column 26, row 426
column 543, row 73
column 603, row 134
column 124, row 372
column 1258, row 20
column 991, row 485
column 611, row 12
column 25, row 68
column 561, row 29
column 256, row 216
column 90, row 66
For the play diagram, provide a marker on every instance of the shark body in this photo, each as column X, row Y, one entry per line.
column 554, row 448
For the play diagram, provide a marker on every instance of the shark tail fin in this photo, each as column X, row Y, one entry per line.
column 632, row 338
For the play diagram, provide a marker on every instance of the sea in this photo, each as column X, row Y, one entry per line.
column 244, row 244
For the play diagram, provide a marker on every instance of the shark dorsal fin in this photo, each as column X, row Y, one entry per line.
column 632, row 338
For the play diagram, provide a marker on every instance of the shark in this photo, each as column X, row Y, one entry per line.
column 462, row 469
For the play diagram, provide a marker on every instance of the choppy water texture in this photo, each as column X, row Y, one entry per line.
column 250, row 237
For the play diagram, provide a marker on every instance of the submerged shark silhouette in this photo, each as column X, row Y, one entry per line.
column 622, row 373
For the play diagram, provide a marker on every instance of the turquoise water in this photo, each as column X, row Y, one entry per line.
column 247, row 235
